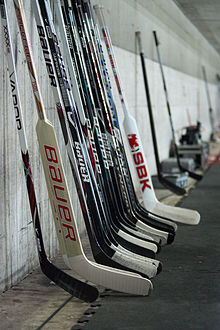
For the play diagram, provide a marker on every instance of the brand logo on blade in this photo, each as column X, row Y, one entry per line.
column 132, row 139
column 15, row 101
column 60, row 194
column 139, row 162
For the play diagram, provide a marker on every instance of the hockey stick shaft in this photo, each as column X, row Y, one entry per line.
column 209, row 99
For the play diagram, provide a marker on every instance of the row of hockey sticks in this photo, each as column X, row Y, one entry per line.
column 110, row 164
column 149, row 198
column 52, row 79
column 153, row 131
column 100, row 275
column 108, row 246
column 132, row 204
column 89, row 48
column 95, row 85
column 104, row 169
column 102, row 239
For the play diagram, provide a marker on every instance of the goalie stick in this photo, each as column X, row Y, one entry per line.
column 102, row 252
column 182, row 169
column 149, row 198
column 70, row 284
column 59, row 195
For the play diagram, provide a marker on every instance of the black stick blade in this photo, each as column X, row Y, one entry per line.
column 171, row 186
column 70, row 284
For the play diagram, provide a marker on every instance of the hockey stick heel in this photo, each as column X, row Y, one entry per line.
column 75, row 287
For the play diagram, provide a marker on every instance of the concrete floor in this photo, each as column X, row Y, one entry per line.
column 36, row 303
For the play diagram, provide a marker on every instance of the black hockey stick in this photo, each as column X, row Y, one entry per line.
column 182, row 169
column 75, row 287
column 161, row 177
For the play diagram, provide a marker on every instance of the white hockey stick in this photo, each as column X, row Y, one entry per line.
column 137, row 153
column 59, row 194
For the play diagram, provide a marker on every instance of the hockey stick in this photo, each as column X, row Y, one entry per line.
column 182, row 169
column 160, row 174
column 212, row 136
column 149, row 198
column 59, row 195
column 75, row 287
column 97, row 246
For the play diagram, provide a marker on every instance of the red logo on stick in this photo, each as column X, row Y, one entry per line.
column 132, row 139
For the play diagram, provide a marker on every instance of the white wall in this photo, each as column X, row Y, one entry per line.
column 17, row 242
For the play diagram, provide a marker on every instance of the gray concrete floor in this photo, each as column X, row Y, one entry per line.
column 36, row 303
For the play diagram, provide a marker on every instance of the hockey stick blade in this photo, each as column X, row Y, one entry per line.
column 70, row 284
column 193, row 175
column 171, row 186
